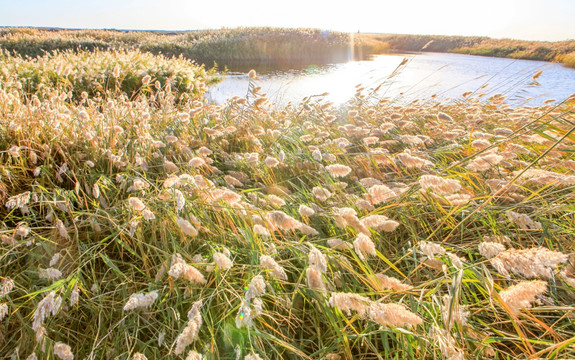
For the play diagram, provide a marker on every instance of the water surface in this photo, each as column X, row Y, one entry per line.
column 446, row 76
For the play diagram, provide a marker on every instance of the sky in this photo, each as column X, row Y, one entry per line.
column 551, row 20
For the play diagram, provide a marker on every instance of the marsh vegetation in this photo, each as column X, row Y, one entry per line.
column 241, row 47
column 138, row 220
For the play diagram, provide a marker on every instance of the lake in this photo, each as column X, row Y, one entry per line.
column 445, row 75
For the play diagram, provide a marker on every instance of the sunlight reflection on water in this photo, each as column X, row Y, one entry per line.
column 445, row 75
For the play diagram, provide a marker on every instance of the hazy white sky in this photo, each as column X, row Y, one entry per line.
column 517, row 19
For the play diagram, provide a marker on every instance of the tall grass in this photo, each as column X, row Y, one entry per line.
column 484, row 46
column 226, row 47
column 103, row 73
column 434, row 43
column 279, row 47
column 568, row 59
column 140, row 224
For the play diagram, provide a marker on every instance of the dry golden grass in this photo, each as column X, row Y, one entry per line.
column 149, row 223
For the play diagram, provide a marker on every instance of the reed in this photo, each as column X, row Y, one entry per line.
column 568, row 59
column 241, row 47
column 226, row 47
column 179, row 229
column 483, row 46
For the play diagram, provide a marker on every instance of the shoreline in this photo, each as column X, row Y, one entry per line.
column 267, row 45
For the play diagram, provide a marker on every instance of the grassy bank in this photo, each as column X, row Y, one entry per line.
column 561, row 51
column 568, row 59
column 147, row 223
column 226, row 47
column 96, row 73
column 276, row 47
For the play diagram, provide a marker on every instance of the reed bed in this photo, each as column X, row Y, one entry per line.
column 226, row 47
column 478, row 45
column 568, row 59
column 101, row 73
column 152, row 224
column 280, row 47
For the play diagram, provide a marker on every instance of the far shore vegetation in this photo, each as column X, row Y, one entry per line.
column 243, row 47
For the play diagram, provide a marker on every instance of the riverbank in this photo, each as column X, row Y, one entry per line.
column 226, row 47
column 284, row 47
column 561, row 51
